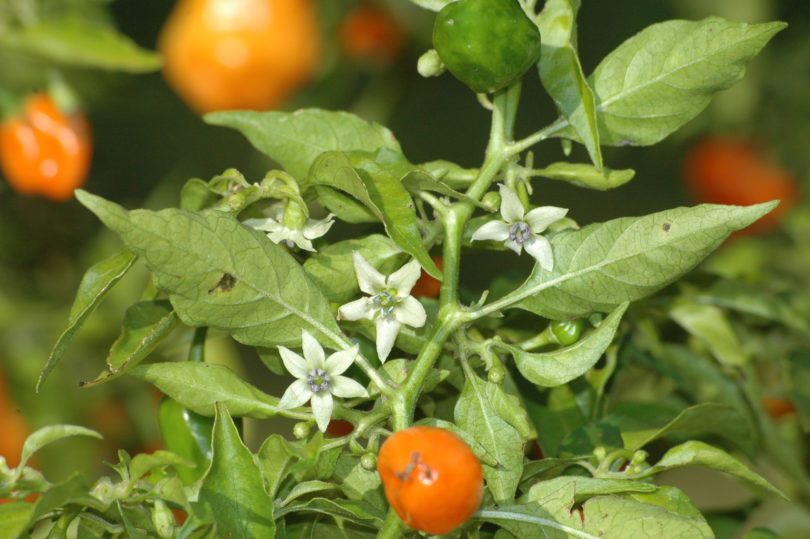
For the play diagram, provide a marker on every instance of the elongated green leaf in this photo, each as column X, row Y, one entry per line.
column 96, row 283
column 587, row 176
column 476, row 414
column 356, row 511
column 198, row 386
column 74, row 41
column 397, row 209
column 600, row 516
column 333, row 270
column 14, row 518
column 146, row 324
column 233, row 485
column 49, row 434
column 665, row 75
column 600, row 266
column 335, row 170
column 550, row 369
column 751, row 298
column 696, row 453
column 295, row 139
column 222, row 274
column 562, row 76
column 274, row 459
column 586, row 487
column 643, row 423
column 74, row 489
column 708, row 323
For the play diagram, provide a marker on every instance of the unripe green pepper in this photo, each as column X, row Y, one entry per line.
column 486, row 44
column 567, row 332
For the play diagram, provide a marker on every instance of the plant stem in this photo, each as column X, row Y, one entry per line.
column 403, row 400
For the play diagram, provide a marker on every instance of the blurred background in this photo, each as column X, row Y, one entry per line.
column 147, row 140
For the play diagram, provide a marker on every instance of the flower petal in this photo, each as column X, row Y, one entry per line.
column 295, row 364
column 493, row 230
column 296, row 395
column 297, row 237
column 409, row 311
column 282, row 234
column 370, row 280
column 540, row 248
column 266, row 224
column 387, row 330
column 515, row 246
column 322, row 405
column 357, row 309
column 345, row 387
column 405, row 277
column 341, row 360
column 315, row 228
column 313, row 352
column 540, row 218
column 511, row 207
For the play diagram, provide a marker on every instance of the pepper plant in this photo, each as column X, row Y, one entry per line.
column 521, row 371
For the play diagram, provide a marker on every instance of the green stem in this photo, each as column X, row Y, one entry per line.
column 197, row 350
column 403, row 401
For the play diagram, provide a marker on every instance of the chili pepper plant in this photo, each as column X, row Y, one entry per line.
column 313, row 265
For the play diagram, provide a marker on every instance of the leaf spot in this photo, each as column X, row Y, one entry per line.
column 225, row 284
column 666, row 226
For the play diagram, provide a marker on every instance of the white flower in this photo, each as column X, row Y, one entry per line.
column 388, row 303
column 319, row 378
column 278, row 233
column 519, row 231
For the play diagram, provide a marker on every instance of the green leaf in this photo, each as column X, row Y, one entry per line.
column 600, row 266
column 73, row 490
column 146, row 324
column 345, row 207
column 333, row 269
column 14, row 519
column 335, row 170
column 642, row 423
column 233, row 485
column 708, row 323
column 49, row 434
column 696, row 453
column 224, row 275
column 356, row 482
column 665, row 75
column 78, row 42
column 295, row 139
column 274, row 459
column 588, row 176
column 550, row 369
column 96, row 283
column 476, row 413
column 562, row 75
column 356, row 511
column 199, row 386
column 587, row 487
column 397, row 209
column 307, row 487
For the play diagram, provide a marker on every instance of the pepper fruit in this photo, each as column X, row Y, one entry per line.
column 486, row 44
column 567, row 332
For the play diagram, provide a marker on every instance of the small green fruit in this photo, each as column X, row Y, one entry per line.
column 486, row 44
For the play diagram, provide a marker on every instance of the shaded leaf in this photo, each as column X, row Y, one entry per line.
column 550, row 369
column 48, row 434
column 562, row 76
column 708, row 323
column 146, row 324
column 233, row 485
column 588, row 176
column 96, row 283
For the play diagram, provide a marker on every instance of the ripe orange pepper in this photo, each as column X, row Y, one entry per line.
column 44, row 151
column 370, row 33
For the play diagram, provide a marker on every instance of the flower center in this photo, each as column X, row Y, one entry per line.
column 386, row 300
column 318, row 380
column 520, row 232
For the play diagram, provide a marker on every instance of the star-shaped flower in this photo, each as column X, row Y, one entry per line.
column 278, row 232
column 388, row 303
column 319, row 378
column 520, row 230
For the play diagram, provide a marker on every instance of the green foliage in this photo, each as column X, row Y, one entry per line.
column 652, row 384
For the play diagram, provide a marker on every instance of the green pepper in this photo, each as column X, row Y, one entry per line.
column 486, row 44
column 567, row 331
